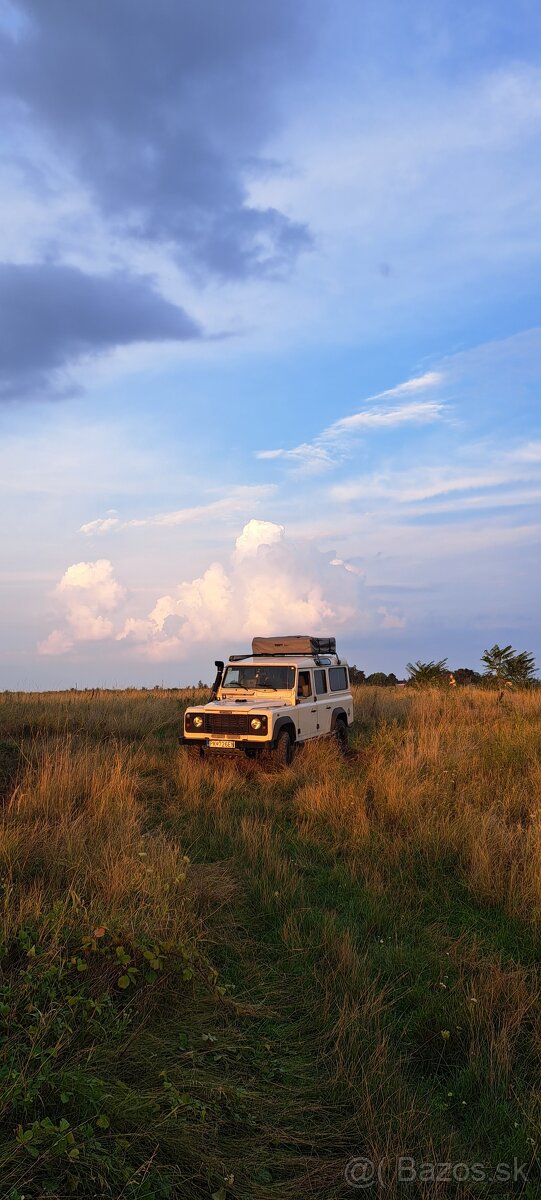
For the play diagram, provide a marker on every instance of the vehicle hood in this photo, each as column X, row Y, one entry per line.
column 250, row 705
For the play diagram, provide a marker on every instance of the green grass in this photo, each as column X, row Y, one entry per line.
column 295, row 969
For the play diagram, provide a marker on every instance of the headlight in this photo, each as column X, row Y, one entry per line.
column 256, row 723
column 197, row 722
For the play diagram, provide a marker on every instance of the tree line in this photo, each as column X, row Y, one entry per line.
column 502, row 666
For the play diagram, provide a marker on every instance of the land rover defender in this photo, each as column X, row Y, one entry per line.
column 288, row 691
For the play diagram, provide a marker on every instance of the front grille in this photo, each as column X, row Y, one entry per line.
column 227, row 723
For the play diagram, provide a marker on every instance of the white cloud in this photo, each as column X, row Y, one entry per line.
column 87, row 593
column 94, row 580
column 256, row 534
column 237, row 500
column 269, row 585
column 322, row 452
column 101, row 525
column 488, row 473
column 386, row 418
column 348, row 566
column 58, row 642
column 419, row 383
column 308, row 458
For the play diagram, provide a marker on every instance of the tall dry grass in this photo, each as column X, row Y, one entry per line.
column 378, row 917
column 437, row 776
column 458, row 773
column 95, row 712
column 74, row 833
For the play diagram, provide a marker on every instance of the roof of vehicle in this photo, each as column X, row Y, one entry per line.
column 286, row 660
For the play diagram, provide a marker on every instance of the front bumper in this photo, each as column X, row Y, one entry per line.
column 240, row 743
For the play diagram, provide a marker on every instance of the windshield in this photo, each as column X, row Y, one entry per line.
column 251, row 678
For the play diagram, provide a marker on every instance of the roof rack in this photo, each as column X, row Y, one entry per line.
column 323, row 660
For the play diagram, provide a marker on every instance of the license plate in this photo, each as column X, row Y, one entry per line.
column 222, row 744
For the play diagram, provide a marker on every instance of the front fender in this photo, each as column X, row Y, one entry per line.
column 284, row 723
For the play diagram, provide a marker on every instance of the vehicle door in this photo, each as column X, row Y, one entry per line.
column 306, row 706
column 323, row 701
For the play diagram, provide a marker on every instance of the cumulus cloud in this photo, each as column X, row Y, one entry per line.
column 88, row 594
column 256, row 534
column 163, row 113
column 269, row 585
column 52, row 315
column 328, row 445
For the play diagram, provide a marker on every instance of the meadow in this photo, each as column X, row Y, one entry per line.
column 219, row 981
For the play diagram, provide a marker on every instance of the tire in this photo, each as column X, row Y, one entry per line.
column 282, row 754
column 341, row 734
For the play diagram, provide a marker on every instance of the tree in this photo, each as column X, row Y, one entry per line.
column 524, row 668
column 465, row 676
column 425, row 674
column 505, row 665
column 380, row 679
column 356, row 676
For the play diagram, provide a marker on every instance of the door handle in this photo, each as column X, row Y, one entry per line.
column 327, row 706
column 313, row 710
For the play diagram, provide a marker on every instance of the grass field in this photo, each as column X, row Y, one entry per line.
column 218, row 981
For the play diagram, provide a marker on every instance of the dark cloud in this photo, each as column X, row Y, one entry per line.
column 164, row 110
column 51, row 315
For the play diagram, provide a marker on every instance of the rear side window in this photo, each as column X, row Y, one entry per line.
column 321, row 683
column 304, row 687
column 338, row 679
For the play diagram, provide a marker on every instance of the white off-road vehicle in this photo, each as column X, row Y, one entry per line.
column 288, row 691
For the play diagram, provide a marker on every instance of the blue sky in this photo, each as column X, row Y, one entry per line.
column 271, row 338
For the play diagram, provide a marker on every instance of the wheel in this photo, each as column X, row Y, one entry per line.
column 282, row 755
column 341, row 734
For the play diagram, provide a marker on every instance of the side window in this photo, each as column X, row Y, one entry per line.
column 338, row 679
column 304, row 686
column 321, row 683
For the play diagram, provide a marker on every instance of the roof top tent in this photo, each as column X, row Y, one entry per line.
column 298, row 643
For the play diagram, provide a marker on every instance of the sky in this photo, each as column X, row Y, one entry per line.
column 270, row 336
